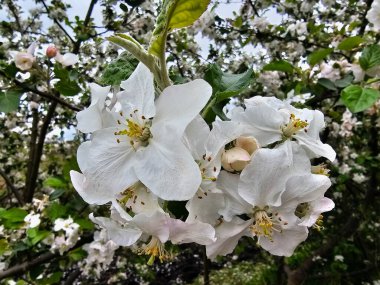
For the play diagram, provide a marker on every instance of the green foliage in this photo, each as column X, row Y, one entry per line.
column 279, row 65
column 242, row 273
column 118, row 70
column 175, row 14
column 13, row 218
column 370, row 57
column 350, row 43
column 318, row 55
column 358, row 99
column 55, row 211
column 10, row 100
column 35, row 235
column 67, row 85
column 224, row 85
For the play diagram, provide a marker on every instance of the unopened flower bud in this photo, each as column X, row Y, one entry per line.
column 235, row 159
column 51, row 51
column 249, row 144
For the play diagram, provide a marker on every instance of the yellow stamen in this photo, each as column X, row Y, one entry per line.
column 155, row 249
column 294, row 125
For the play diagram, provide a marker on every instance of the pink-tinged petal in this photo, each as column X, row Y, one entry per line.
column 177, row 106
column 138, row 93
column 168, row 170
column 155, row 224
column 228, row 235
column 186, row 232
column 120, row 234
column 86, row 190
column 108, row 164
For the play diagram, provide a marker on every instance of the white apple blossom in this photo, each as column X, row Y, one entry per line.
column 270, row 120
column 145, row 141
column 270, row 189
column 373, row 15
column 67, row 59
column 33, row 220
column 25, row 60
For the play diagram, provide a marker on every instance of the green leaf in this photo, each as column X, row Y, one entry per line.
column 52, row 279
column 35, row 235
column 85, row 224
column 175, row 14
column 56, row 210
column 56, row 194
column 67, row 87
column 358, row 99
column 370, row 57
column 14, row 215
column 54, row 182
column 118, row 70
column 279, row 65
column 4, row 246
column 226, row 85
column 327, row 83
column 344, row 82
column 350, row 43
column 77, row 254
column 10, row 100
column 317, row 56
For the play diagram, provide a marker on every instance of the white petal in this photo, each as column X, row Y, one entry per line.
column 303, row 189
column 108, row 164
column 316, row 208
column 138, row 92
column 68, row 59
column 195, row 137
column 198, row 232
column 144, row 201
column 234, row 204
column 205, row 209
column 86, row 190
column 178, row 105
column 263, row 123
column 316, row 147
column 155, row 224
column 228, row 235
column 123, row 236
column 168, row 170
column 284, row 243
column 89, row 119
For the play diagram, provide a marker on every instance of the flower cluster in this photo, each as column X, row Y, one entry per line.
column 250, row 176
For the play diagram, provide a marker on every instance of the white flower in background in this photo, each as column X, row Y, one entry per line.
column 270, row 120
column 145, row 142
column 67, row 225
column 298, row 29
column 33, row 220
column 67, row 59
column 100, row 254
column 260, row 23
column 349, row 123
column 373, row 15
column 300, row 98
column 25, row 60
column 96, row 116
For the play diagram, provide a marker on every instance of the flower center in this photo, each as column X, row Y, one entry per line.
column 137, row 129
column 294, row 126
column 155, row 249
column 265, row 223
column 320, row 169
